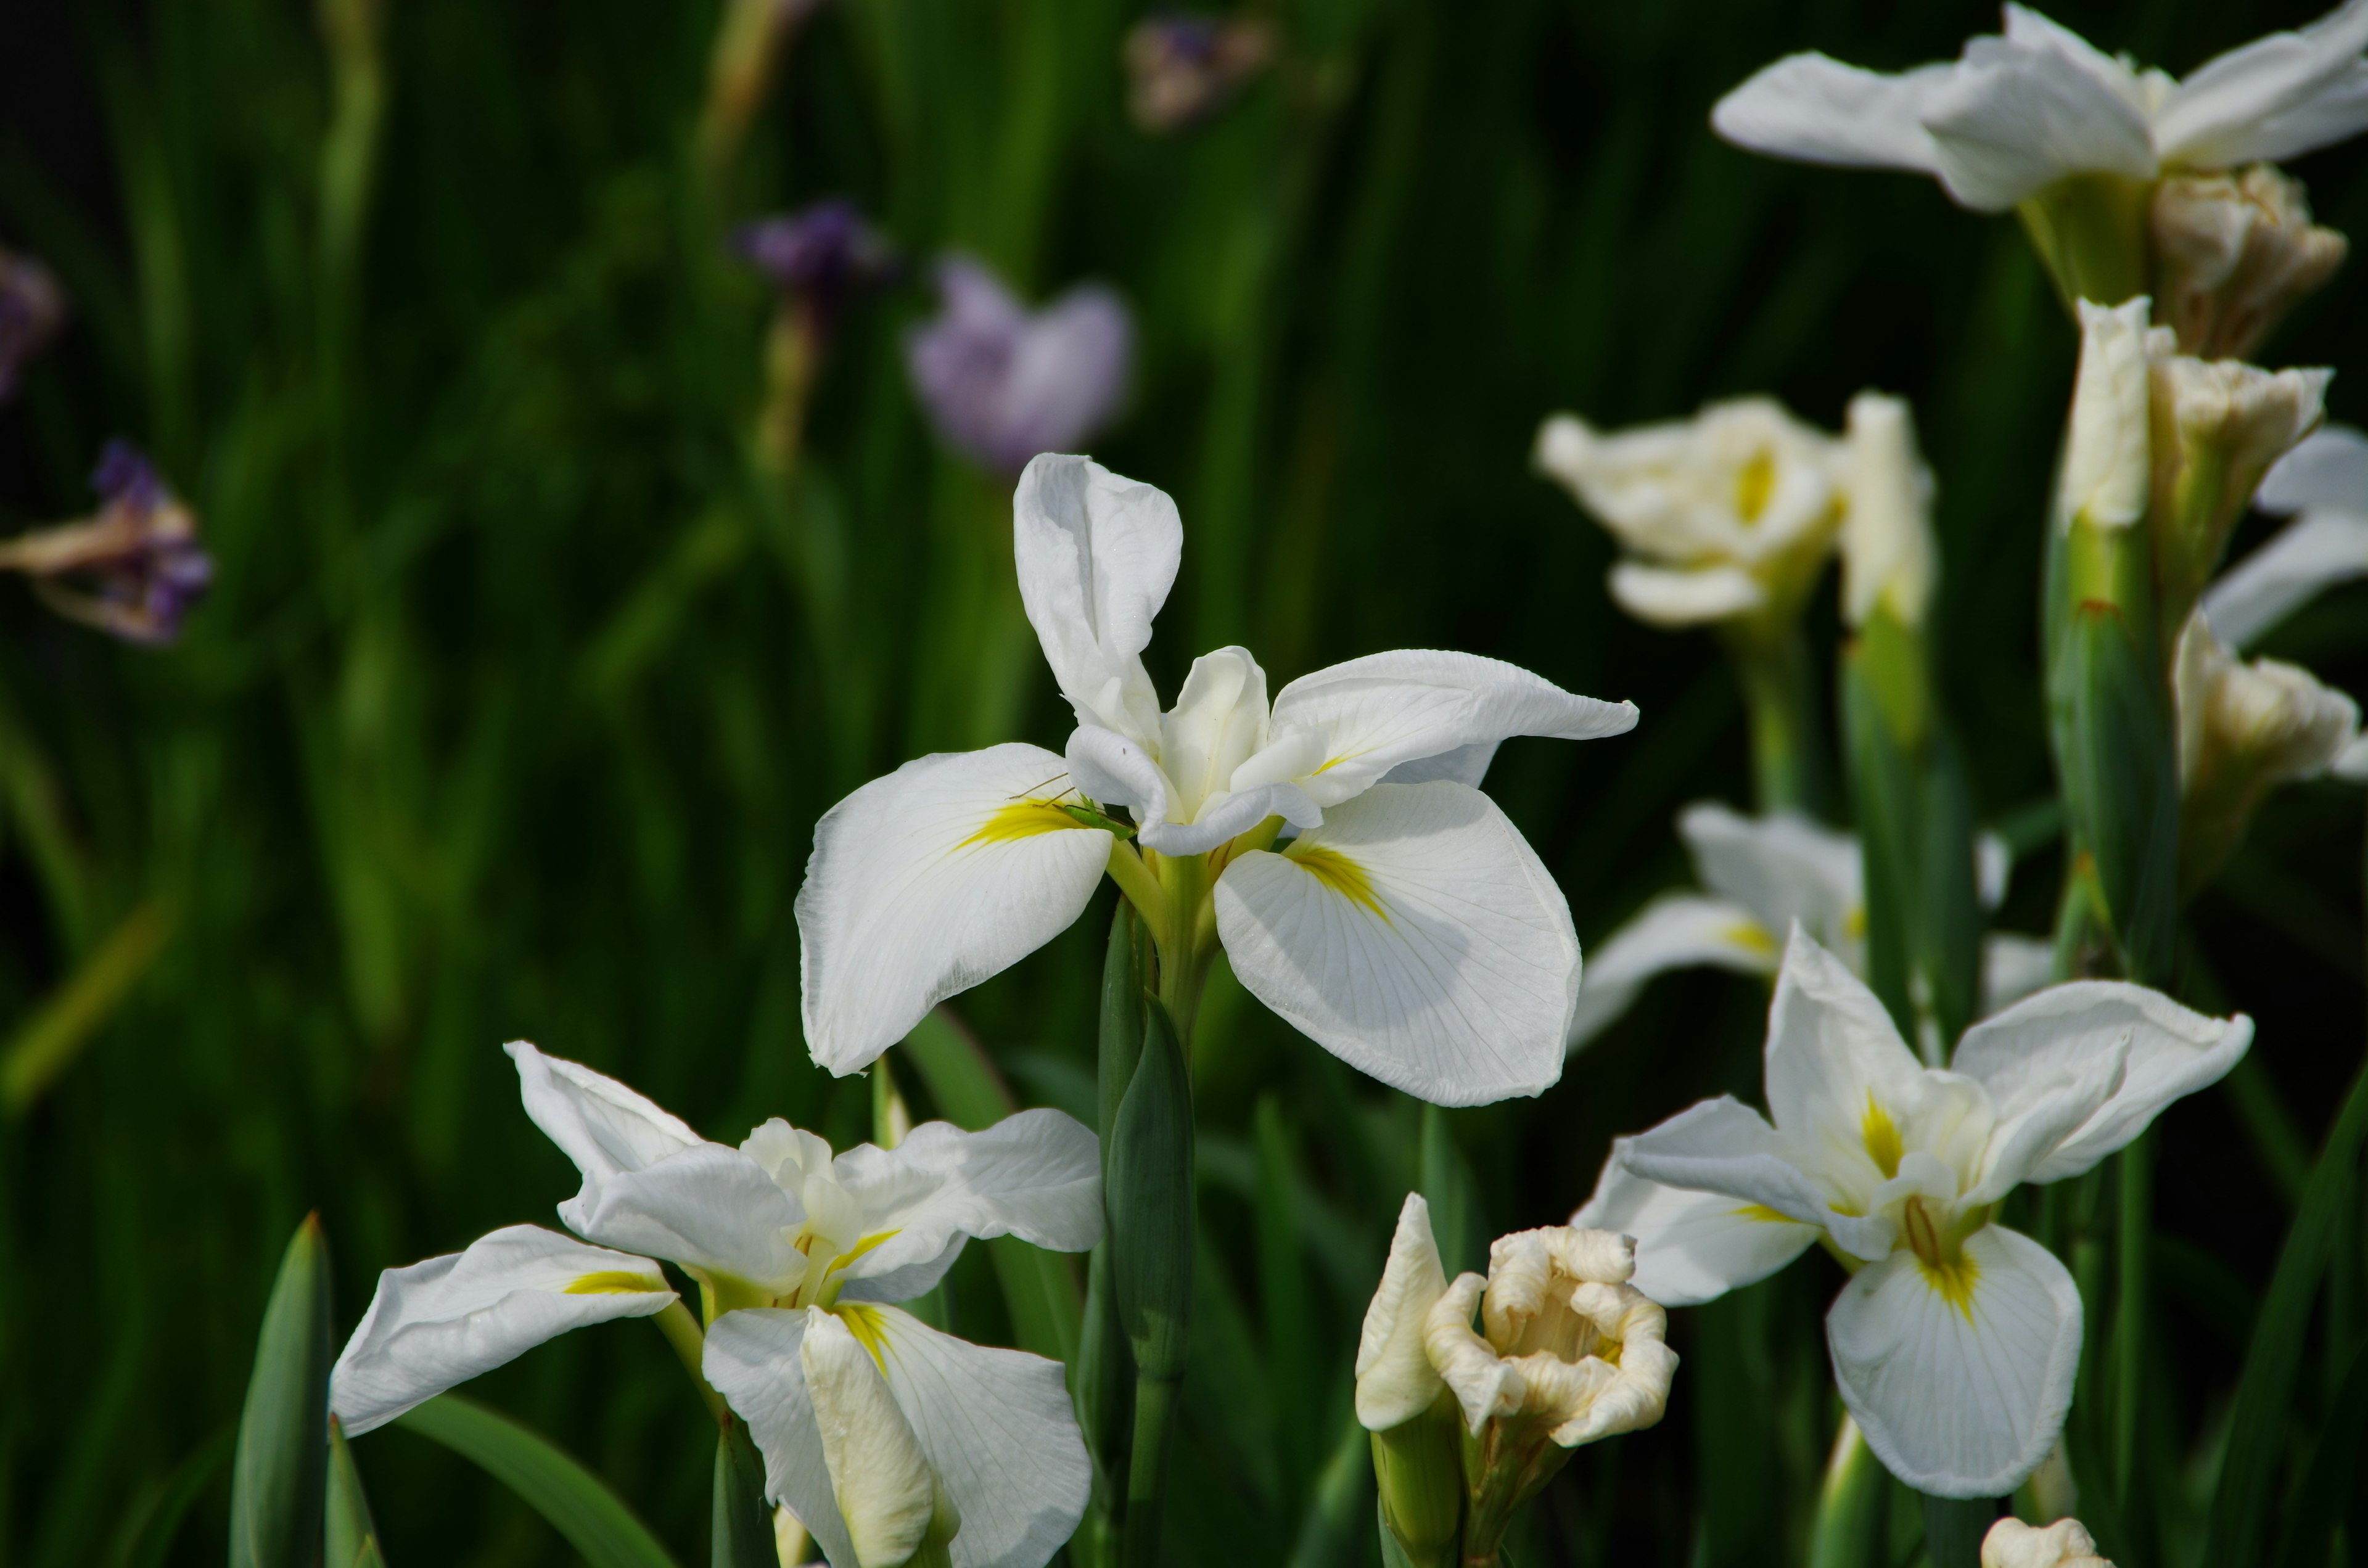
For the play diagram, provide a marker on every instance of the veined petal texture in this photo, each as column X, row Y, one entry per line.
column 1417, row 936
column 1096, row 555
column 606, row 1127
column 879, row 1477
column 752, row 1357
column 949, row 871
column 1692, row 1248
column 1036, row 1175
column 710, row 1208
column 441, row 1322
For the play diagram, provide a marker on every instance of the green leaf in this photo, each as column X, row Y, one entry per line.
column 1849, row 1529
column 280, row 1471
column 351, row 1538
column 741, row 1534
column 2334, row 1475
column 1393, row 1554
column 1445, row 1179
column 147, row 1536
column 49, row 1041
column 1954, row 1527
column 970, row 1093
column 1299, row 1373
column 577, row 1504
column 2265, row 1389
column 1328, row 1532
column 1150, row 1200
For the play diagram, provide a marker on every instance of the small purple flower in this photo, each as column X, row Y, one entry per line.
column 137, row 566
column 32, row 307
column 1002, row 384
column 824, row 253
column 1183, row 68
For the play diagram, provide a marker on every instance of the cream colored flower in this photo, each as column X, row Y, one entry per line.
column 2107, row 470
column 2233, row 254
column 2217, row 427
column 1889, row 560
column 2064, row 1544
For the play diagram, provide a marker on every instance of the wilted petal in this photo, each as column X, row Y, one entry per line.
column 951, row 869
column 1483, row 1383
column 2064, row 1544
column 2246, row 725
column 440, row 1322
column 1096, row 554
column 2273, row 97
column 1818, row 110
column 752, row 1357
column 879, row 1476
column 1395, row 1380
column 1692, row 1248
column 1414, row 936
column 1674, row 931
column 1959, row 1380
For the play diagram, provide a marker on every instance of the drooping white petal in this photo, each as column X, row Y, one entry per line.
column 1387, row 709
column 2172, row 1053
column 1785, row 870
column 1417, row 936
column 998, row 1428
column 879, row 1476
column 441, row 1322
column 751, row 1358
column 1674, row 931
column 2309, row 556
column 1818, row 110
column 2012, row 120
column 1679, row 597
column 949, row 870
column 1725, row 1147
column 710, row 1208
column 1692, row 1248
column 1959, row 1380
column 1096, row 556
column 1394, row 1379
column 2275, row 96
column 2327, row 468
column 1834, row 1056
column 606, row 1127
column 1036, row 1175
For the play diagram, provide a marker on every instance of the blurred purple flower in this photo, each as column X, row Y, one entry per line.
column 32, row 307
column 1002, row 384
column 824, row 253
column 137, row 559
column 1182, row 68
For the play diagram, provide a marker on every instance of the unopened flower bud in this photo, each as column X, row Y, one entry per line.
column 32, row 307
column 137, row 562
column 2064, row 1544
column 1889, row 557
column 1183, row 69
column 2233, row 254
column 1417, row 1460
column 1002, row 384
column 2216, row 427
column 2106, row 470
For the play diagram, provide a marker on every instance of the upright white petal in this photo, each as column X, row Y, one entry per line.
column 440, row 1322
column 1960, row 1382
column 1096, row 555
column 1835, row 1058
column 1725, row 1148
column 606, row 1127
column 1036, row 1175
column 752, row 1358
column 1394, row 1379
column 998, row 1428
column 2028, row 29
column 2171, row 1052
column 2312, row 554
column 1115, row 770
column 2108, row 471
column 1818, row 110
column 1674, row 931
column 1692, row 1248
column 951, row 869
column 1376, row 713
column 2327, row 468
column 1417, row 936
column 710, row 1208
column 2273, row 97
column 1784, row 868
column 879, row 1476
column 1888, row 555
column 2013, row 119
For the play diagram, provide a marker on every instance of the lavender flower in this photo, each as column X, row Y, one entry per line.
column 825, row 255
column 137, row 562
column 1183, row 68
column 32, row 307
column 1001, row 384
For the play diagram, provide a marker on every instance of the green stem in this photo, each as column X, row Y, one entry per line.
column 1849, row 1528
column 1154, row 1418
column 1779, row 695
column 1953, row 1529
column 2129, row 1313
column 689, row 1342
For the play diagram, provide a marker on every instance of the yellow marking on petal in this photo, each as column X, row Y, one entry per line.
column 1765, row 1215
column 1020, row 819
column 1953, row 1279
column 1883, row 1142
column 866, row 1324
column 1754, row 483
column 1753, row 937
column 615, row 1282
column 857, row 1250
column 1854, row 923
column 1340, row 873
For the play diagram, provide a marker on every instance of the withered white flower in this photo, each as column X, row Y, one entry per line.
column 2064, row 1544
column 2233, row 254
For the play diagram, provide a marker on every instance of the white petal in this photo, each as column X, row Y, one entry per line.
column 1833, row 1052
column 751, row 1358
column 1724, row 1147
column 2064, row 1544
column 442, row 1322
column 2013, row 966
column 1483, row 1383
column 1960, row 1397
column 2028, row 29
column 2310, row 555
column 1674, row 931
column 879, row 1476
column 1821, row 111
column 1116, row 771
column 1395, row 1380
column 1387, row 709
column 2329, row 468
column 1036, row 1175
column 1783, row 869
column 1414, row 936
column 1993, row 869
column 951, row 869
column 2271, row 98
column 1096, row 556
column 999, row 1430
column 2172, row 1053
column 1692, row 1248
column 1464, row 765
column 1218, row 723
column 2108, row 470
column 710, row 1208
column 2013, row 119
column 1678, row 597
column 1888, row 553
column 604, row 1127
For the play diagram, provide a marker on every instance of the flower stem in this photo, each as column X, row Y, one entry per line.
column 1154, row 1418
column 1779, row 695
column 689, row 1342
column 1849, row 1529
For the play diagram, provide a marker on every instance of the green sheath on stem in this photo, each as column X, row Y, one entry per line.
column 1150, row 1197
column 280, row 1474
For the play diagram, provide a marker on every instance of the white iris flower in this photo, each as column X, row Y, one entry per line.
column 796, row 1253
column 1407, row 927
column 1955, row 1341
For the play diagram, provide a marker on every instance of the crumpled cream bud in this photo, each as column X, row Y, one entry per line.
column 1888, row 557
column 1395, row 1380
column 2064, row 1544
column 886, row 1490
column 1570, row 1344
column 2216, row 427
column 2233, row 254
column 2107, row 475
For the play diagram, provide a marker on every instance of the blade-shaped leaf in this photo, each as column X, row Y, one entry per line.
column 147, row 1535
column 1151, row 1203
column 578, row 1505
column 281, row 1467
column 742, row 1528
column 350, row 1538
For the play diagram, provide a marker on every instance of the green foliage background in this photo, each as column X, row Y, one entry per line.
column 520, row 690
